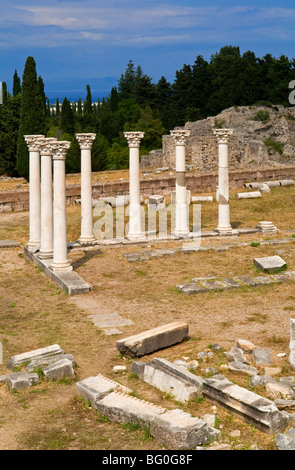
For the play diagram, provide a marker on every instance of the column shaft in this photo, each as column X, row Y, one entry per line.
column 46, row 245
column 224, row 225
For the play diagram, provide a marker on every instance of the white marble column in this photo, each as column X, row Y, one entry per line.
column 60, row 246
column 181, row 229
column 34, row 197
column 224, row 226
column 135, row 231
column 46, row 244
column 86, row 142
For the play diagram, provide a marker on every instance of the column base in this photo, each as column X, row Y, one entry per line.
column 33, row 243
column 45, row 254
column 136, row 236
column 87, row 240
column 64, row 266
column 226, row 230
column 181, row 234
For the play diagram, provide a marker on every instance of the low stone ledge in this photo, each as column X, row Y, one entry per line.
column 249, row 406
column 153, row 340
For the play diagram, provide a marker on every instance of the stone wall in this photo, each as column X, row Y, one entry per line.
column 196, row 183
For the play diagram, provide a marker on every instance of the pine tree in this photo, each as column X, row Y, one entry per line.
column 31, row 115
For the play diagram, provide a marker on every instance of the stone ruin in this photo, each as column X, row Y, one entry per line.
column 247, row 147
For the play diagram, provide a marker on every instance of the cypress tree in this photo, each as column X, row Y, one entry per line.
column 31, row 116
column 4, row 93
column 16, row 89
column 67, row 117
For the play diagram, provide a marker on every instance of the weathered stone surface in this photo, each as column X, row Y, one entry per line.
column 280, row 390
column 282, row 404
column 236, row 354
column 153, row 340
column 251, row 407
column 191, row 289
column 46, row 360
column 122, row 408
column 179, row 430
column 193, row 379
column 21, row 380
column 241, row 368
column 270, row 264
column 262, row 357
column 270, row 371
column 257, row 380
column 168, row 380
column 284, row 442
column 8, row 243
column 59, row 370
column 95, row 388
column 245, row 345
column 19, row 359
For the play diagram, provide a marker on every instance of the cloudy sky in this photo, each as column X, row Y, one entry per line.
column 91, row 41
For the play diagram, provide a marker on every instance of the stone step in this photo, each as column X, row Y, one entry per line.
column 95, row 388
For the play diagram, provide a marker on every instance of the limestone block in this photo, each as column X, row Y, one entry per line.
column 8, row 243
column 236, row 354
column 20, row 380
column 262, row 357
column 95, row 388
column 245, row 345
column 59, row 370
column 122, row 408
column 19, row 359
column 284, row 442
column 264, row 189
column 179, row 371
column 241, row 368
column 179, row 430
column 270, row 264
column 279, row 390
column 46, row 360
column 156, row 199
column 191, row 289
column 153, row 340
column 249, row 406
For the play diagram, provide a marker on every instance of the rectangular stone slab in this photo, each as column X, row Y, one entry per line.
column 249, row 406
column 153, row 340
column 96, row 388
column 19, row 359
column 270, row 264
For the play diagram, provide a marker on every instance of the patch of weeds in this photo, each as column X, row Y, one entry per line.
column 199, row 399
column 103, row 419
column 255, row 244
column 293, row 235
column 168, row 396
column 141, row 273
column 277, row 340
column 289, row 308
column 132, row 376
column 261, row 116
column 258, row 317
column 147, row 433
column 131, row 426
column 12, row 305
column 275, row 145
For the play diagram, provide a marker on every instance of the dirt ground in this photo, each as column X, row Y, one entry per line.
column 35, row 313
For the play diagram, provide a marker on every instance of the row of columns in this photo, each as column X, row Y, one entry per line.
column 48, row 225
column 181, row 229
column 48, row 220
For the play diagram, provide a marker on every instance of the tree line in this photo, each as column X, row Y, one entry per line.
column 202, row 89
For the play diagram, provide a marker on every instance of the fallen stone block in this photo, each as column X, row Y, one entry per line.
column 262, row 357
column 8, row 243
column 236, row 354
column 166, row 381
column 21, row 380
column 280, row 390
column 20, row 359
column 47, row 360
column 248, row 195
column 249, row 406
column 270, row 264
column 245, row 345
column 179, row 430
column 179, row 371
column 191, row 289
column 95, row 388
column 153, row 340
column 59, row 370
column 241, row 368
column 281, row 403
column 122, row 408
column 285, row 442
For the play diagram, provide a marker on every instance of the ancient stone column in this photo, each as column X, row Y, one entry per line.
column 181, row 229
column 135, row 231
column 224, row 226
column 46, row 244
column 86, row 142
column 60, row 246
column 34, row 197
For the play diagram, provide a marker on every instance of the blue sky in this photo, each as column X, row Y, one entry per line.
column 91, row 41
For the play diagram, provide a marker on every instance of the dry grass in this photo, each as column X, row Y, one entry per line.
column 35, row 313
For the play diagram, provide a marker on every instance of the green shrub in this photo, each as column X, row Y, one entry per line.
column 277, row 146
column 261, row 115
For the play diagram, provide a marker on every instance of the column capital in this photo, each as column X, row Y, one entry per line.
column 223, row 135
column 59, row 149
column 134, row 138
column 46, row 145
column 85, row 140
column 32, row 142
column 180, row 135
